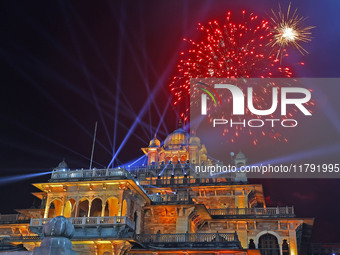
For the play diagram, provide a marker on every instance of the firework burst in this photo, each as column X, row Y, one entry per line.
column 288, row 30
column 230, row 50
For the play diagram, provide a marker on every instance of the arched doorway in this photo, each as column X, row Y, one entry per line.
column 285, row 247
column 96, row 208
column 111, row 207
column 55, row 208
column 83, row 208
column 137, row 220
column 69, row 209
column 269, row 245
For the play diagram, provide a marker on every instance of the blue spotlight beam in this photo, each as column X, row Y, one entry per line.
column 163, row 115
column 134, row 162
column 192, row 168
column 118, row 81
column 43, row 32
column 18, row 178
column 69, row 85
column 92, row 41
column 145, row 60
column 60, row 49
column 136, row 122
column 145, row 107
column 41, row 66
column 142, row 124
column 85, row 71
column 165, row 166
column 213, row 158
column 23, row 127
column 183, row 169
column 47, row 95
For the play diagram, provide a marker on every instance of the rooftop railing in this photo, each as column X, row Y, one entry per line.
column 170, row 198
column 265, row 212
column 187, row 237
column 90, row 173
column 99, row 174
column 186, row 180
column 13, row 218
column 20, row 239
column 90, row 221
column 185, row 167
column 145, row 176
column 171, row 239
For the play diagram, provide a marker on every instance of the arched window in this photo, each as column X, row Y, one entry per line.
column 285, row 247
column 55, row 208
column 111, row 207
column 69, row 209
column 83, row 208
column 148, row 213
column 96, row 208
column 269, row 245
column 251, row 244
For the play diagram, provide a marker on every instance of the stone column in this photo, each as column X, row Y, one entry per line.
column 63, row 206
column 243, row 237
column 47, row 207
column 76, row 213
column 292, row 241
column 89, row 212
column 120, row 201
column 182, row 221
column 103, row 208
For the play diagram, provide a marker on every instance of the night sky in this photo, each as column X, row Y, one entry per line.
column 61, row 62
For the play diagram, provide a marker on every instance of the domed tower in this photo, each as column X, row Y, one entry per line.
column 197, row 151
column 152, row 151
column 178, row 147
column 62, row 166
column 177, row 139
column 240, row 160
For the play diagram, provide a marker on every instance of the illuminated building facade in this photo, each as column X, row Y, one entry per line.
column 162, row 208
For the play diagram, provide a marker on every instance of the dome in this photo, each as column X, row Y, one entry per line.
column 240, row 155
column 194, row 140
column 154, row 142
column 178, row 137
column 62, row 166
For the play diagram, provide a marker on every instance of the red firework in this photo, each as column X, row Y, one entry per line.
column 231, row 50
